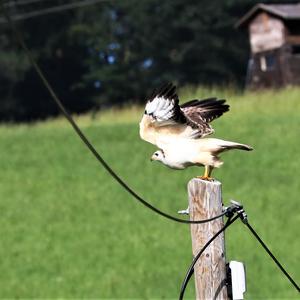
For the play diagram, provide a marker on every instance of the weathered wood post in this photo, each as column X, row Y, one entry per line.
column 205, row 201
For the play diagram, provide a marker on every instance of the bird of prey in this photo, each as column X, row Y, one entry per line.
column 179, row 131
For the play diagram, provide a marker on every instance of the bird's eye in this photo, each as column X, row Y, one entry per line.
column 156, row 154
column 145, row 112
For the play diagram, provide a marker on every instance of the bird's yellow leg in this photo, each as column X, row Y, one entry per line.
column 207, row 173
column 210, row 168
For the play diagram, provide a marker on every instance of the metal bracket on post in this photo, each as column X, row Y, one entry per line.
column 236, row 274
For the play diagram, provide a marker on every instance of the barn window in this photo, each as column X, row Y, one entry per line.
column 267, row 62
column 263, row 64
column 296, row 49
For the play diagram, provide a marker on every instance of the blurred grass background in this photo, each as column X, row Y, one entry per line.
column 68, row 230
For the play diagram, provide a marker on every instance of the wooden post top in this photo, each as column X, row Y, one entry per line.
column 199, row 180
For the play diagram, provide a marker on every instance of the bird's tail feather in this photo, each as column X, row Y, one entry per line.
column 232, row 145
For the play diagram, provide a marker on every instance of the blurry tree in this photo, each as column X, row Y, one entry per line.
column 118, row 51
column 135, row 45
column 24, row 97
column 13, row 65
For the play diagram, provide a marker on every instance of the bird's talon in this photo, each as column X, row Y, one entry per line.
column 205, row 178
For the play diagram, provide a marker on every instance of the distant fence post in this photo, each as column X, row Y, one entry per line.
column 205, row 201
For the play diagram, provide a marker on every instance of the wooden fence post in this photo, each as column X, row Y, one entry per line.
column 205, row 201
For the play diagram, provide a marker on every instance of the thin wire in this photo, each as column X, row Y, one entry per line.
column 54, row 9
column 22, row 2
column 191, row 267
column 272, row 256
column 87, row 142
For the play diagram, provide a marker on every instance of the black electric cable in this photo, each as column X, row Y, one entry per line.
column 53, row 9
column 243, row 216
column 84, row 138
column 271, row 255
column 191, row 268
column 22, row 2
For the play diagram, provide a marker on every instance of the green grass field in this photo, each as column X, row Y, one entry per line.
column 68, row 230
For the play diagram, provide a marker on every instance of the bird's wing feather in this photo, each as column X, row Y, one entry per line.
column 199, row 113
column 208, row 109
column 164, row 107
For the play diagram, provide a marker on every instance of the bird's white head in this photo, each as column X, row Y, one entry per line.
column 158, row 155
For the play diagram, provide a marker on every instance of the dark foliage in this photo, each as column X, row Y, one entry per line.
column 118, row 51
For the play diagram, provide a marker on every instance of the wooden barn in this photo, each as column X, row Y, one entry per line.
column 274, row 34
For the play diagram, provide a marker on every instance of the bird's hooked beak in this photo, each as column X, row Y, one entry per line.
column 153, row 158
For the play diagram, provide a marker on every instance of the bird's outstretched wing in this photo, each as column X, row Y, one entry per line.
column 190, row 119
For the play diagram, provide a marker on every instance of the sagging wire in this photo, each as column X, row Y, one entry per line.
column 49, row 10
column 85, row 140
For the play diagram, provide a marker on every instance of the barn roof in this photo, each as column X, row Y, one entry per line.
column 283, row 11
